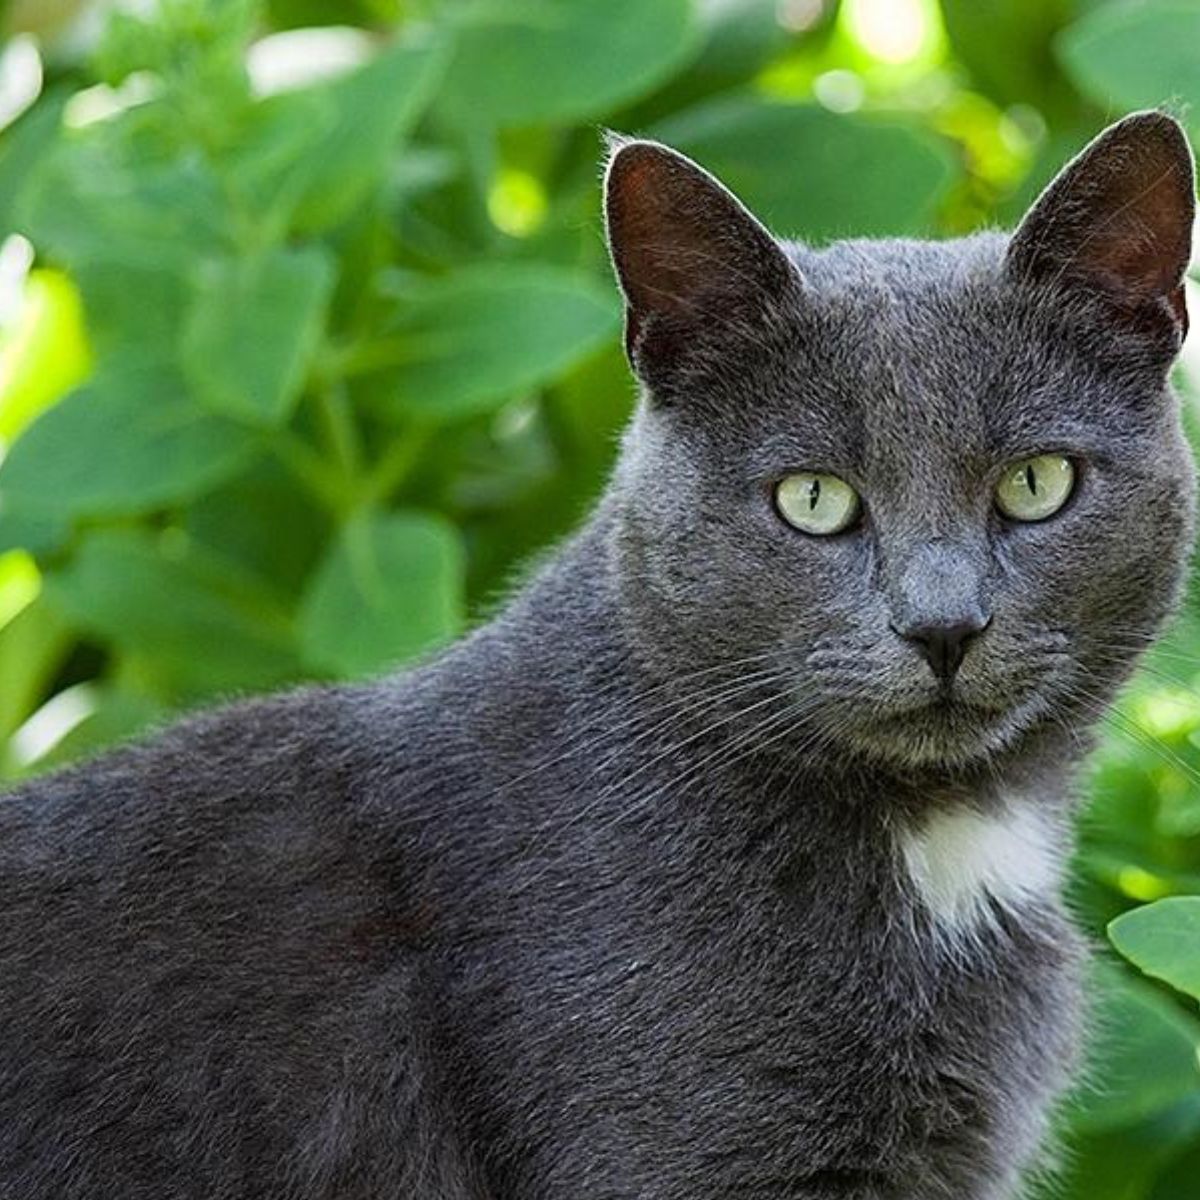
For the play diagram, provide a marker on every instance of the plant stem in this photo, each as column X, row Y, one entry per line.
column 396, row 463
column 311, row 470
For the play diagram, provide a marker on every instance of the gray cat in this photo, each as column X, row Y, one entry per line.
column 724, row 862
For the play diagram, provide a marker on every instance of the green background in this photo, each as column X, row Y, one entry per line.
column 319, row 346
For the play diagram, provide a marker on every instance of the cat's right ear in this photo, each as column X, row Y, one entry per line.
column 688, row 254
column 1117, row 224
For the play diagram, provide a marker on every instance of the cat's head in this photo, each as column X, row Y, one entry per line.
column 937, row 491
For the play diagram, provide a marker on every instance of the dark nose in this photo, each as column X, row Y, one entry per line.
column 944, row 643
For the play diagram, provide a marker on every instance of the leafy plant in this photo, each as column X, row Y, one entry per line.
column 303, row 373
column 1163, row 939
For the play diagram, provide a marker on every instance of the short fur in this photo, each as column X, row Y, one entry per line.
column 611, row 899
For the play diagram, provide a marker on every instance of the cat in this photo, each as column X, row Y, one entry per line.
column 724, row 862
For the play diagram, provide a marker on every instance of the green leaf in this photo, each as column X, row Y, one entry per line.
column 1143, row 1057
column 465, row 342
column 1163, row 939
column 22, row 148
column 389, row 589
column 1121, row 1163
column 129, row 442
column 314, row 154
column 1007, row 46
column 264, row 521
column 118, row 716
column 207, row 624
column 39, row 533
column 1127, row 56
column 521, row 62
column 97, row 198
column 33, row 646
column 252, row 332
column 811, row 173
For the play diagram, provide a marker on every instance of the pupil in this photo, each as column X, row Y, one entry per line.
column 814, row 494
column 1031, row 479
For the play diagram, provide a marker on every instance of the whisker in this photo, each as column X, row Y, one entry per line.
column 606, row 791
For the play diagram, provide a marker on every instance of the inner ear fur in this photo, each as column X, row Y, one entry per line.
column 684, row 248
column 1117, row 222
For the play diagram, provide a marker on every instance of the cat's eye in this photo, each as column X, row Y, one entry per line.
column 819, row 504
column 1035, row 488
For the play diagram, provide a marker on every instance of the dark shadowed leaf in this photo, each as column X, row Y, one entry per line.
column 207, row 625
column 1008, row 45
column 263, row 520
column 1121, row 1163
column 390, row 588
column 1178, row 1181
column 22, row 147
column 94, row 199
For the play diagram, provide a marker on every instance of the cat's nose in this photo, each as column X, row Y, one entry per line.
column 943, row 643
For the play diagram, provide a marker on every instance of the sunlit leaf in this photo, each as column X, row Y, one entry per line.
column 1163, row 939
column 116, row 716
column 32, row 648
column 44, row 354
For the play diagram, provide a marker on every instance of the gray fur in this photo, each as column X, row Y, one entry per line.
column 605, row 902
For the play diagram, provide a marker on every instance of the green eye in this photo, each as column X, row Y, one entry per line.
column 820, row 504
column 1035, row 488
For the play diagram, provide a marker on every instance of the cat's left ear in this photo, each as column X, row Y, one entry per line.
column 1117, row 222
column 688, row 254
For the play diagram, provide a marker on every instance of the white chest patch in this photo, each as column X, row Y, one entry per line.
column 961, row 862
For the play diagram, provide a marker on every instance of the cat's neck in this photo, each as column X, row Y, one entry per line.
column 593, row 745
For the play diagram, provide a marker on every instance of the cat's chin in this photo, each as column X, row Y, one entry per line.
column 946, row 733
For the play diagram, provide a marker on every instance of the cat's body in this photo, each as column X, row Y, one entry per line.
column 683, row 879
column 371, row 969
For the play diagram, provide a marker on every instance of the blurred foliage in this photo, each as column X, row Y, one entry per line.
column 307, row 341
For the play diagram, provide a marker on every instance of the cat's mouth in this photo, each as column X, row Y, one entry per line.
column 903, row 714
column 949, row 726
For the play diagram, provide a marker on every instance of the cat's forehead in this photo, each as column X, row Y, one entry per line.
column 898, row 267
column 921, row 347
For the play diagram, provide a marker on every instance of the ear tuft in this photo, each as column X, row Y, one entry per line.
column 1117, row 221
column 685, row 249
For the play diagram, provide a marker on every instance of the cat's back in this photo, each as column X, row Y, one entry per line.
column 213, row 955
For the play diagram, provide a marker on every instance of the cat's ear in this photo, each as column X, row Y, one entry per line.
column 1117, row 222
column 687, row 252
